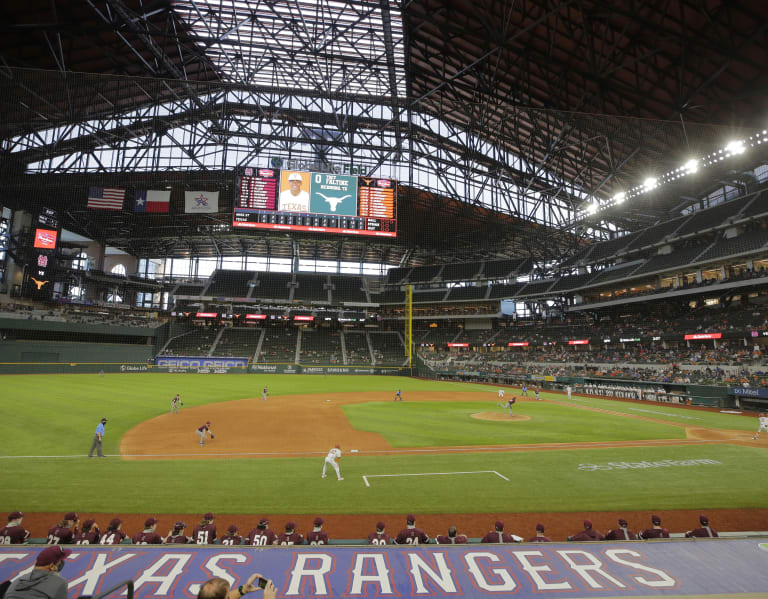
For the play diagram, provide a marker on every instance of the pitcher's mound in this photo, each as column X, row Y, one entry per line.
column 500, row 416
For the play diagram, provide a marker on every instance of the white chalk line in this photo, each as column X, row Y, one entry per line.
column 368, row 484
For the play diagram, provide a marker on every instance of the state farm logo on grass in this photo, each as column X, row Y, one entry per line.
column 646, row 464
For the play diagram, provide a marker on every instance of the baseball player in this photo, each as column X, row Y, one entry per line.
column 524, row 391
column 705, row 530
column 264, row 393
column 114, row 535
column 411, row 535
column 763, row 425
column 261, row 535
column 656, row 532
column 205, row 532
column 232, row 538
column 540, row 538
column 204, row 430
column 497, row 535
column 588, row 534
column 569, row 390
column 379, row 537
column 451, row 538
column 536, row 393
column 290, row 536
column 175, row 404
column 148, row 536
column 622, row 533
column 317, row 536
column 510, row 402
column 14, row 533
column 89, row 533
column 332, row 459
column 177, row 536
column 501, row 394
column 64, row 532
column 399, row 395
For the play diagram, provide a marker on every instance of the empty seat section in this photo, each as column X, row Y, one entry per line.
column 460, row 272
column 348, row 289
column 238, row 342
column 395, row 276
column 466, row 293
column 311, row 288
column 356, row 345
column 424, row 274
column 393, row 296
column 758, row 206
column 279, row 344
column 656, row 234
column 388, row 349
column 424, row 297
column 679, row 257
column 198, row 342
column 505, row 290
column 713, row 217
column 499, row 269
column 613, row 274
column 230, row 283
column 320, row 346
column 273, row 285
column 535, row 287
column 749, row 241
column 573, row 282
column 188, row 290
column 606, row 249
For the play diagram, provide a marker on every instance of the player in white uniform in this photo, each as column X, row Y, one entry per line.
column 568, row 389
column 763, row 425
column 334, row 455
column 501, row 394
column 175, row 403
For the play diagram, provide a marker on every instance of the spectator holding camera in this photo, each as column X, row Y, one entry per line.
column 218, row 588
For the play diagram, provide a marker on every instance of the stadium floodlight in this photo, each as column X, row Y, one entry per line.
column 650, row 183
column 619, row 197
column 592, row 208
column 735, row 147
column 690, row 167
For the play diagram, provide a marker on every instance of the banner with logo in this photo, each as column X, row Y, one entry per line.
column 201, row 202
column 727, row 568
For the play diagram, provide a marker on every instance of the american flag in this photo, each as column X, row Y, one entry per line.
column 105, row 198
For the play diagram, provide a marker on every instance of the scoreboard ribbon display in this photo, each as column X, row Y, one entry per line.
column 315, row 202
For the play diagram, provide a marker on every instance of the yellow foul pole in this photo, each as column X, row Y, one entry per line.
column 409, row 324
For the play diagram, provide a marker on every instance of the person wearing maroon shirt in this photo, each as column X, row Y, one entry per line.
column 261, row 535
column 204, row 430
column 177, row 536
column 451, row 538
column 705, row 530
column 114, row 535
column 588, row 534
column 64, row 532
column 232, row 538
column 411, row 535
column 379, row 537
column 148, row 536
column 499, row 536
column 89, row 533
column 290, row 536
column 14, row 533
column 317, row 536
column 656, row 532
column 205, row 532
column 539, row 538
column 621, row 533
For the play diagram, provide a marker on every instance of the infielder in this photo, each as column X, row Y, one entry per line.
column 264, row 394
column 204, row 430
column 175, row 404
column 536, row 392
column 399, row 395
column 569, row 390
column 334, row 455
column 763, row 425
column 510, row 402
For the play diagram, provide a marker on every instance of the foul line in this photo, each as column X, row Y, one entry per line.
column 367, row 476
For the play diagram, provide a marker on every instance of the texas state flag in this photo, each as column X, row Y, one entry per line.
column 151, row 200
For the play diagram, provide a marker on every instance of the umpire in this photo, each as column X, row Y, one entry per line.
column 97, row 438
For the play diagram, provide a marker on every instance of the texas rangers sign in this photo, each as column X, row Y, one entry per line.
column 726, row 567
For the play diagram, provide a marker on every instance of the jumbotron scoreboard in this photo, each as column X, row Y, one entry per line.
column 284, row 200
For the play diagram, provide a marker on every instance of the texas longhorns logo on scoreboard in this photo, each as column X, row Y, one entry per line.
column 38, row 283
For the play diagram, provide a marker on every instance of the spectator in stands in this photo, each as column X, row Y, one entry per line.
column 588, row 534
column 114, row 534
column 411, row 535
column 379, row 537
column 452, row 538
column 64, row 532
column 290, row 536
column 317, row 536
column 497, row 535
column 14, row 532
column 621, row 533
column 656, row 531
column 539, row 538
column 89, row 534
column 704, row 530
column 218, row 588
column 44, row 581
column 232, row 538
column 177, row 536
column 148, row 536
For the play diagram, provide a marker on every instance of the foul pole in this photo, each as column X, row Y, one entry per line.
column 409, row 324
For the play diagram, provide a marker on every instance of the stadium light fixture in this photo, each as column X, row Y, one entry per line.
column 650, row 183
column 592, row 208
column 735, row 147
column 690, row 167
column 619, row 197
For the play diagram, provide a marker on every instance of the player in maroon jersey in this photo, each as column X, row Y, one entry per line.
column 497, row 535
column 379, row 537
column 14, row 533
column 451, row 538
column 64, row 532
column 204, row 430
column 89, row 533
column 656, row 532
column 114, row 534
column 177, row 536
column 317, row 536
column 539, row 538
column 205, row 532
column 588, row 534
column 232, row 538
column 411, row 535
column 148, row 536
column 290, row 536
column 622, row 533
column 261, row 535
column 705, row 530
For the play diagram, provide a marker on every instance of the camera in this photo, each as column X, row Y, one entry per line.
column 263, row 582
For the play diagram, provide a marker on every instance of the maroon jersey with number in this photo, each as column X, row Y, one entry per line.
column 231, row 540
column 446, row 540
column 539, row 539
column 495, row 536
column 290, row 539
column 204, row 535
column 589, row 534
column 203, row 428
column 704, row 531
column 618, row 534
column 89, row 537
column 13, row 535
column 112, row 537
column 317, row 538
column 261, row 536
column 412, row 536
column 147, row 538
column 378, row 538
column 59, row 535
column 655, row 533
column 178, row 540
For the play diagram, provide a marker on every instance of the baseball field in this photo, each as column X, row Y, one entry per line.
column 448, row 453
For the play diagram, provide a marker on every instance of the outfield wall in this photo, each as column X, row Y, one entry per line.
column 631, row 569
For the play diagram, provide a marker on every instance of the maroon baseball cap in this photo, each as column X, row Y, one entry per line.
column 703, row 519
column 15, row 516
column 587, row 523
column 380, row 525
column 208, row 516
column 499, row 525
column 319, row 521
column 115, row 522
column 51, row 555
column 263, row 521
column 70, row 516
column 540, row 527
column 623, row 522
column 232, row 528
column 179, row 525
column 150, row 522
column 290, row 526
column 89, row 522
column 410, row 518
column 656, row 519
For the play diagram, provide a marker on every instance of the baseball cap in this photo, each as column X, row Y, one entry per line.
column 104, row 420
column 656, row 519
column 208, row 516
column 179, row 525
column 622, row 522
column 410, row 518
column 89, row 522
column 115, row 522
column 232, row 528
column 290, row 526
column 499, row 525
column 15, row 516
column 587, row 523
column 51, row 555
column 540, row 527
column 208, row 422
column 70, row 516
column 703, row 519
column 150, row 521
column 318, row 521
column 380, row 525
column 294, row 177
column 263, row 521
